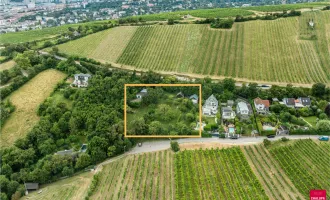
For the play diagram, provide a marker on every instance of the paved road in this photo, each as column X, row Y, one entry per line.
column 151, row 146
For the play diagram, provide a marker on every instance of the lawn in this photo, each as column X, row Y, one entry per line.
column 75, row 187
column 58, row 97
column 311, row 120
column 7, row 65
column 26, row 99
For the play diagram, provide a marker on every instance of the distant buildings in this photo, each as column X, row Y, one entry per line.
column 211, row 106
column 81, row 80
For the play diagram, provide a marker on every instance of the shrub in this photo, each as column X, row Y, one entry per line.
column 284, row 139
column 175, row 146
column 221, row 135
column 267, row 142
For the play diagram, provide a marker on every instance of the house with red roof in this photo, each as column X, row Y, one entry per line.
column 262, row 106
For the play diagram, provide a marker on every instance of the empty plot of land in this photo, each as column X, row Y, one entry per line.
column 74, row 188
column 26, row 100
column 104, row 46
column 7, row 65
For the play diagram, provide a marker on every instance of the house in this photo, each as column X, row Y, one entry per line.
column 230, row 103
column 243, row 110
column 305, row 101
column 289, row 102
column 180, row 95
column 31, row 186
column 76, row 33
column 211, row 106
column 282, row 130
column 81, row 80
column 262, row 106
column 142, row 93
column 194, row 98
column 227, row 113
column 65, row 152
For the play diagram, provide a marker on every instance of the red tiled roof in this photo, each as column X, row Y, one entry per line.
column 264, row 102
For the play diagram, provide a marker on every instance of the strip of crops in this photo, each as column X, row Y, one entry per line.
column 306, row 164
column 287, row 7
column 215, row 174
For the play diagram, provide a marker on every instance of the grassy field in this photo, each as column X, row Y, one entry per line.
column 26, row 100
column 7, row 65
column 269, row 51
column 27, row 36
column 74, row 188
column 105, row 46
column 311, row 120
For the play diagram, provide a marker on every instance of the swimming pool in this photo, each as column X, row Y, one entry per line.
column 231, row 130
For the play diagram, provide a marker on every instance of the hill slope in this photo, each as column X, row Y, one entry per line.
column 273, row 51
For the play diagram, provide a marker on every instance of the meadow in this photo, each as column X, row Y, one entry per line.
column 7, row 65
column 31, row 35
column 105, row 46
column 75, row 188
column 26, row 101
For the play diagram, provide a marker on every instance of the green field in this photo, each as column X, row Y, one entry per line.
column 271, row 51
column 28, row 36
column 104, row 46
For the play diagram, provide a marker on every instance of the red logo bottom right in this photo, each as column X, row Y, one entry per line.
column 317, row 194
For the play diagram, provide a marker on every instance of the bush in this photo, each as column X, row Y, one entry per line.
column 221, row 135
column 267, row 142
column 284, row 139
column 224, row 23
column 175, row 146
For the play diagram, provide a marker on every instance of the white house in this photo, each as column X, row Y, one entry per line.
column 81, row 80
column 262, row 106
column 227, row 113
column 142, row 93
column 242, row 110
column 194, row 98
column 211, row 106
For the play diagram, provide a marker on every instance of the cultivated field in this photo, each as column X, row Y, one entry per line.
column 7, row 65
column 74, row 188
column 142, row 176
column 26, row 100
column 104, row 46
column 285, row 170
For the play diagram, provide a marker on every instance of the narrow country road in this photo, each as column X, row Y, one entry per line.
column 163, row 144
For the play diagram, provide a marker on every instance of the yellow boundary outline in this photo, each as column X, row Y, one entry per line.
column 164, row 136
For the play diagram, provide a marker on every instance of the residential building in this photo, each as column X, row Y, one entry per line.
column 227, row 113
column 289, row 102
column 142, row 93
column 31, row 186
column 243, row 110
column 211, row 106
column 305, row 101
column 262, row 106
column 194, row 98
column 81, row 80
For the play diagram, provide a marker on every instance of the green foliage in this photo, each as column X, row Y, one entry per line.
column 323, row 126
column 318, row 89
column 267, row 142
column 284, row 139
column 175, row 146
column 223, row 23
column 83, row 160
column 93, row 186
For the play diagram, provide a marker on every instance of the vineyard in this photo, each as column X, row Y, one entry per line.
column 215, row 174
column 239, row 53
column 142, row 176
column 306, row 164
column 104, row 46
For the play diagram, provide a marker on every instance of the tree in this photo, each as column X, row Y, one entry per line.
column 327, row 110
column 6, row 170
column 67, row 171
column 190, row 117
column 170, row 21
column 229, row 84
column 139, row 127
column 111, row 151
column 12, row 187
column 3, row 183
column 175, row 146
column 155, row 128
column 323, row 126
column 22, row 61
column 97, row 148
column 318, row 89
column 83, row 161
column 3, row 196
column 323, row 116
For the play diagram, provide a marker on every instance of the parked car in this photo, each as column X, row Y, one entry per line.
column 324, row 138
column 234, row 137
column 270, row 136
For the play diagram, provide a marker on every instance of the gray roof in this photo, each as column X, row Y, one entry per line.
column 32, row 186
column 194, row 96
column 230, row 102
column 84, row 75
column 306, row 101
column 65, row 152
column 226, row 109
column 289, row 101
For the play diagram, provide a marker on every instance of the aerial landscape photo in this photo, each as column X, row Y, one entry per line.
column 164, row 100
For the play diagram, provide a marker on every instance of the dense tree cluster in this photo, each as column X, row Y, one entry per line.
column 268, row 16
